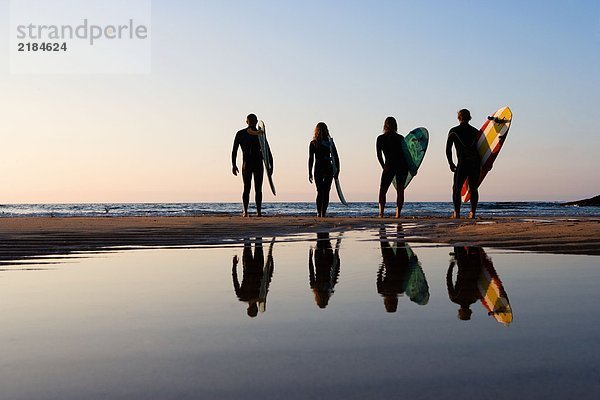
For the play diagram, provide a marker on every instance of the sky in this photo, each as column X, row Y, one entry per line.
column 166, row 136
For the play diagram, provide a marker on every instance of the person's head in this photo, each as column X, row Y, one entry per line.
column 251, row 120
column 390, row 125
column 391, row 303
column 321, row 132
column 252, row 309
column 321, row 297
column 464, row 313
column 464, row 115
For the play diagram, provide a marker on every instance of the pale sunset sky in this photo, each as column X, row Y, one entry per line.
column 167, row 136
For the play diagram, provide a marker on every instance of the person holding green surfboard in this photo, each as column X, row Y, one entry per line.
column 395, row 161
column 464, row 138
column 252, row 165
column 323, row 154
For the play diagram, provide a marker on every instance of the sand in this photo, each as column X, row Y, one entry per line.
column 23, row 238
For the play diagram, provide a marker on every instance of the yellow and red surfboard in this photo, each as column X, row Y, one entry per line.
column 493, row 296
column 489, row 142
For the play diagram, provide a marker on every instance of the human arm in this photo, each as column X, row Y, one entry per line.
column 236, row 144
column 380, row 152
column 449, row 143
column 234, row 277
column 311, row 160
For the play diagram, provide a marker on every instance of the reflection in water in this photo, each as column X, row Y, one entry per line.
column 325, row 270
column 400, row 272
column 477, row 279
column 256, row 276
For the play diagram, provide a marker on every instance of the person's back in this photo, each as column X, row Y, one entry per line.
column 390, row 144
column 250, row 145
column 464, row 139
column 252, row 166
column 323, row 155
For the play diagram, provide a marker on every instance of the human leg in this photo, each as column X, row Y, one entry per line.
column 326, row 189
column 386, row 181
column 400, row 179
column 474, row 174
column 258, row 183
column 247, row 179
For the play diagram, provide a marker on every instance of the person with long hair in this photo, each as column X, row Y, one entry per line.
column 392, row 155
column 322, row 153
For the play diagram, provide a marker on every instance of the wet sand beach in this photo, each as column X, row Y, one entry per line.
column 30, row 237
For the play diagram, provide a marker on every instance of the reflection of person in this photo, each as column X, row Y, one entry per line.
column 256, row 276
column 324, row 273
column 464, row 138
column 397, row 163
column 400, row 272
column 252, row 165
column 392, row 271
column 323, row 153
column 464, row 291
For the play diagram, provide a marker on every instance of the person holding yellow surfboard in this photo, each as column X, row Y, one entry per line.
column 464, row 139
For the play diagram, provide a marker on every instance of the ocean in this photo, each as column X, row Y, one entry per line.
column 362, row 209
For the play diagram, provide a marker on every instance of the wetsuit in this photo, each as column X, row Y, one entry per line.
column 249, row 290
column 464, row 138
column 323, row 275
column 322, row 154
column 465, row 291
column 392, row 274
column 391, row 146
column 252, row 164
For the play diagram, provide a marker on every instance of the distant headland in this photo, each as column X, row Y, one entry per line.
column 592, row 202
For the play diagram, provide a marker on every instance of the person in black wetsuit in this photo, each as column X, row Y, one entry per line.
column 392, row 146
column 393, row 271
column 322, row 152
column 254, row 276
column 252, row 165
column 464, row 138
column 324, row 277
column 465, row 291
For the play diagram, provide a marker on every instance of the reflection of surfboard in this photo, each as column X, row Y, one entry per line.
column 417, row 288
column 417, row 141
column 338, row 187
column 493, row 295
column 264, row 148
column 266, row 279
column 489, row 142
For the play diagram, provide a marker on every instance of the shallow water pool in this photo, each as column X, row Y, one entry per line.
column 327, row 315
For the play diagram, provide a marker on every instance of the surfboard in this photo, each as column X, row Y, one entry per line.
column 338, row 187
column 266, row 279
column 489, row 143
column 493, row 296
column 265, row 150
column 417, row 288
column 417, row 141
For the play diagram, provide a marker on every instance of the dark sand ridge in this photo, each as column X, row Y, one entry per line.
column 22, row 238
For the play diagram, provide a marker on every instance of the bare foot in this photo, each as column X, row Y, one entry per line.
column 380, row 216
column 455, row 215
column 471, row 215
column 245, row 214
